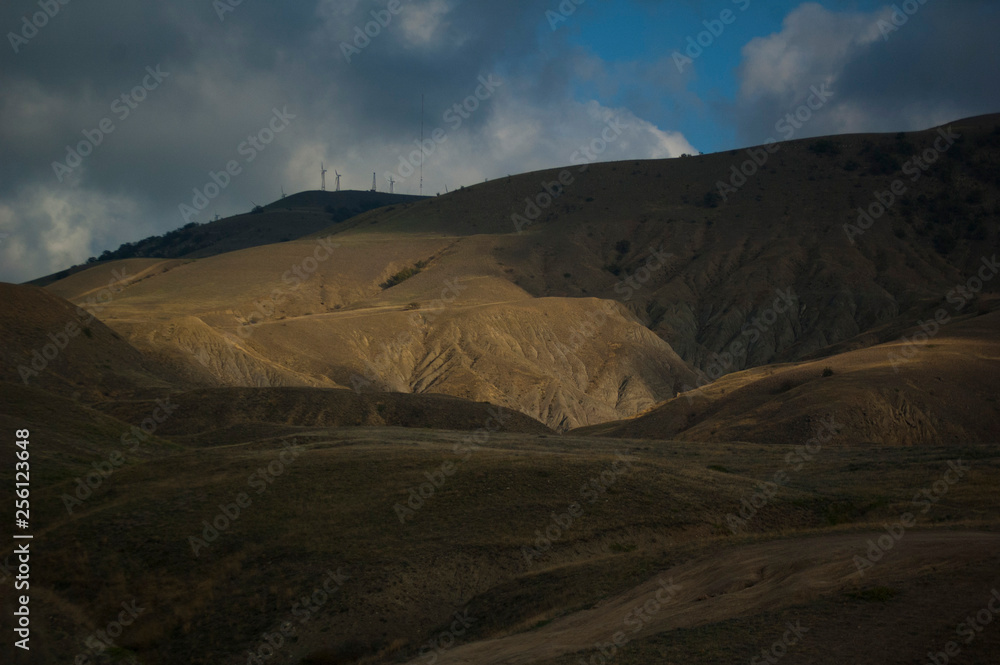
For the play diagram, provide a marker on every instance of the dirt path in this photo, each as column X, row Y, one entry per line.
column 741, row 581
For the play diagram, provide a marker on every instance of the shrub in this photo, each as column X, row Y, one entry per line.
column 943, row 243
column 711, row 199
column 825, row 147
column 403, row 275
column 827, row 371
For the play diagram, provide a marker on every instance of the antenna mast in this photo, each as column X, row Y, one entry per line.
column 374, row 185
column 421, row 144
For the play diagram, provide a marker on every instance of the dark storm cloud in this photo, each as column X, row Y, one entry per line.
column 222, row 79
column 940, row 65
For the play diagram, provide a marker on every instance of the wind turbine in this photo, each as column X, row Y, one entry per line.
column 322, row 171
column 282, row 191
column 391, row 183
column 338, row 180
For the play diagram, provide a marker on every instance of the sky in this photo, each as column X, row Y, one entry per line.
column 123, row 119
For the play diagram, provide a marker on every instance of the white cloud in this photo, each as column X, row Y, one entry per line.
column 51, row 229
column 813, row 47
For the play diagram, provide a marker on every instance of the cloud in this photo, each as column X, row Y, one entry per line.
column 884, row 78
column 227, row 76
column 225, row 79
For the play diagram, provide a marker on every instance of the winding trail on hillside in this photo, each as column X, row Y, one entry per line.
column 739, row 581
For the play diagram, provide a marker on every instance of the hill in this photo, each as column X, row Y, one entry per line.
column 594, row 300
column 917, row 390
column 52, row 345
column 288, row 218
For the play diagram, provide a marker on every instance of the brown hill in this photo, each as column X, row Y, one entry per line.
column 770, row 273
column 213, row 416
column 288, row 218
column 916, row 390
column 53, row 345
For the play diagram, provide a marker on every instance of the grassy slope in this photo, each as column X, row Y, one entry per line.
column 333, row 507
column 941, row 390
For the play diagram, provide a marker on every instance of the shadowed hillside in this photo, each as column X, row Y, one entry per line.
column 913, row 391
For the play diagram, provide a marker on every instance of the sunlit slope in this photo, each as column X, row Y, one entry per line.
column 942, row 389
column 449, row 285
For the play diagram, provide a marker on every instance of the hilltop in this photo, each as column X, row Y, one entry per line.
column 536, row 414
column 286, row 219
column 590, row 294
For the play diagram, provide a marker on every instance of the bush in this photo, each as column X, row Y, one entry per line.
column 711, row 199
column 825, row 147
column 623, row 246
column 403, row 275
column 827, row 371
column 944, row 243
column 784, row 387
